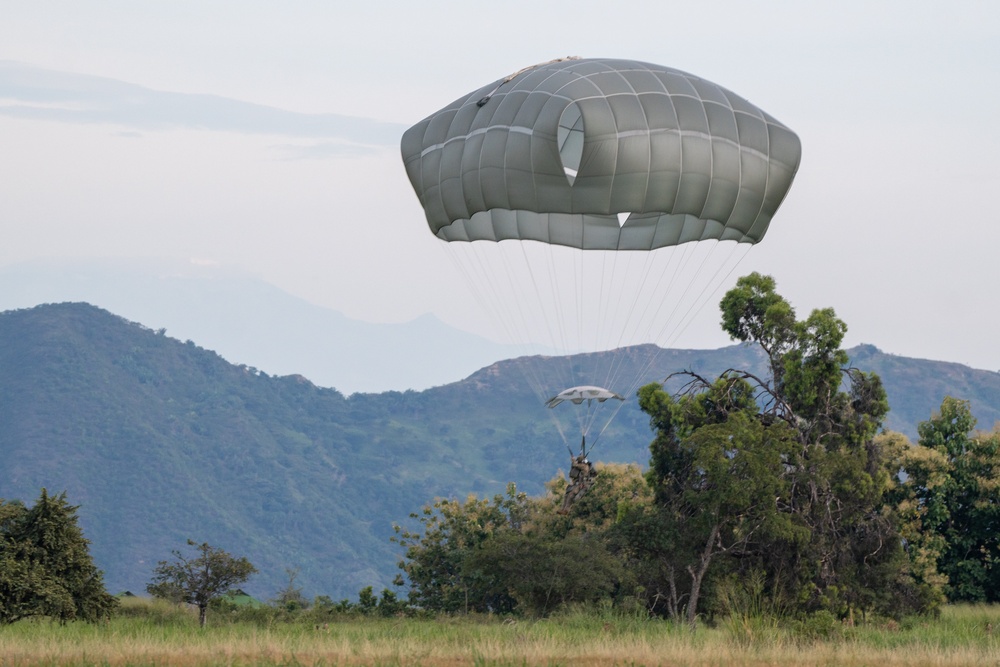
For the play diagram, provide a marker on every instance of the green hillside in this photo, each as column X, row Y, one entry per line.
column 160, row 441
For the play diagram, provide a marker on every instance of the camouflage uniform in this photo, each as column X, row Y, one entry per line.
column 581, row 478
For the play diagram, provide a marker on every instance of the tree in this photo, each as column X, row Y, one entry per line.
column 436, row 562
column 45, row 564
column 290, row 597
column 954, row 477
column 841, row 473
column 542, row 571
column 513, row 554
column 784, row 474
column 717, row 473
column 198, row 581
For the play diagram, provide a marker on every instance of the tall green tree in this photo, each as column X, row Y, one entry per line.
column 955, row 478
column 45, row 564
column 841, row 475
column 201, row 579
column 783, row 474
column 717, row 473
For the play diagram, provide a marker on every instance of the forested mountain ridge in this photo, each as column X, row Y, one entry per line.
column 160, row 441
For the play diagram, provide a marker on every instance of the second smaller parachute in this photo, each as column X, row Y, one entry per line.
column 578, row 395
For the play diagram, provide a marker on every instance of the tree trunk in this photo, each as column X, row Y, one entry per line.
column 697, row 577
column 202, row 614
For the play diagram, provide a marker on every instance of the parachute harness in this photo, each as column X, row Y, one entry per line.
column 481, row 103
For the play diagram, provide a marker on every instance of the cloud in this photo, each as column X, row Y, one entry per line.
column 34, row 93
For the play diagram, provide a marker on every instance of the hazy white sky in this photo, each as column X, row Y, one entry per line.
column 244, row 133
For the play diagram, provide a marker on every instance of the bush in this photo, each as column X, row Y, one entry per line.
column 818, row 625
column 155, row 611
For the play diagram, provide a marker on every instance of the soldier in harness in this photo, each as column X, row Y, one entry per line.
column 581, row 478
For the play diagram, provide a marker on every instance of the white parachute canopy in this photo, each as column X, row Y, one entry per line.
column 578, row 395
column 593, row 204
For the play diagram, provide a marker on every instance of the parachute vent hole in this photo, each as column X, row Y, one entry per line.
column 570, row 136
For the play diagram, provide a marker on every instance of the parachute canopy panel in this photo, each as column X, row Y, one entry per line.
column 557, row 152
column 578, row 395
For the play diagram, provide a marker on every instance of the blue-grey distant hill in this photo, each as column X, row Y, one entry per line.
column 249, row 321
column 161, row 440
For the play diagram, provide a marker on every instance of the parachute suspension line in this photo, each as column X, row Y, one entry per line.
column 604, row 298
column 601, row 287
column 477, row 264
column 676, row 290
column 549, row 299
column 567, row 273
column 630, row 287
column 566, row 342
column 573, row 298
column 679, row 316
column 627, row 334
column 485, row 291
column 621, row 275
column 639, row 326
column 711, row 287
column 554, row 335
column 582, row 297
column 526, row 297
column 549, row 311
column 607, row 423
column 635, row 332
column 509, row 283
column 650, row 292
column 614, row 300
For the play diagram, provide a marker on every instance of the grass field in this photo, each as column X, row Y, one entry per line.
column 150, row 634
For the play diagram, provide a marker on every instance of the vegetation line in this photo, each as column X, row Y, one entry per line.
column 155, row 632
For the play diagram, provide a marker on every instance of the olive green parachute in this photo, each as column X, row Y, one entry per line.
column 569, row 163
column 601, row 154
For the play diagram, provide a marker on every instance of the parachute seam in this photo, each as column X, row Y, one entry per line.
column 767, row 179
column 618, row 135
column 711, row 162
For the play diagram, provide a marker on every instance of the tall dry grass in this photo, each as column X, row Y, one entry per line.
column 165, row 636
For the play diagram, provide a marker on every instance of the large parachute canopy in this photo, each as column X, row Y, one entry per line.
column 601, row 154
column 612, row 182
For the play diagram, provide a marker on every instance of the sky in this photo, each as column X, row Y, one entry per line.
column 264, row 137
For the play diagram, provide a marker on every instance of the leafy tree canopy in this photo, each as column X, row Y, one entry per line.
column 782, row 474
column 45, row 564
column 199, row 580
column 953, row 477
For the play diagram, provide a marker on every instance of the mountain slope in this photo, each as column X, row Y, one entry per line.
column 160, row 441
column 249, row 321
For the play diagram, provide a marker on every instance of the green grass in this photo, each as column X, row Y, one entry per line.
column 154, row 633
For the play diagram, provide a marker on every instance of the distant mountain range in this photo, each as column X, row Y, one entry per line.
column 249, row 321
column 161, row 440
